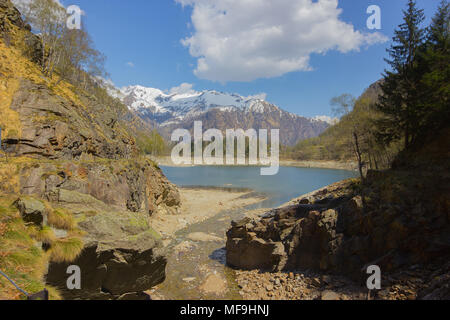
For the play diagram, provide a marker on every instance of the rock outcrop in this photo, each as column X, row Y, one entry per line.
column 394, row 220
column 133, row 185
column 54, row 128
column 301, row 235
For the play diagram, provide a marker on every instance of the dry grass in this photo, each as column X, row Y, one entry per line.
column 20, row 258
column 66, row 250
column 44, row 235
column 9, row 178
column 15, row 66
column 9, row 121
column 61, row 219
column 23, row 260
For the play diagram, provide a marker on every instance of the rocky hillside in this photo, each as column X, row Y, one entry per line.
column 216, row 110
column 74, row 190
column 397, row 219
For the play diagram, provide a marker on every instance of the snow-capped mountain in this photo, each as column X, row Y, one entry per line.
column 167, row 109
column 327, row 119
column 216, row 110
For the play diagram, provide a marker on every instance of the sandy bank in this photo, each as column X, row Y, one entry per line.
column 199, row 205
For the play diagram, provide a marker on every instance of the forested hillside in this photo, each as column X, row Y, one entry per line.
column 336, row 143
column 399, row 111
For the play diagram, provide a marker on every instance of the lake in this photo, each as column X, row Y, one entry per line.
column 187, row 271
column 289, row 183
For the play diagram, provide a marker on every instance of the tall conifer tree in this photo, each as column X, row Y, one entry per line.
column 436, row 66
column 400, row 90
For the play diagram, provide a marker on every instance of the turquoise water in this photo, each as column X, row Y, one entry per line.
column 209, row 257
column 289, row 183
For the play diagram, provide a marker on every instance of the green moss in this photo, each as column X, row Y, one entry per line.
column 155, row 235
column 140, row 222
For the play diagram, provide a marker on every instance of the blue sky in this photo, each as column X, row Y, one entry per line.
column 142, row 40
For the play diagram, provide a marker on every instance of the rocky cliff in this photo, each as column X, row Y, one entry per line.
column 397, row 219
column 72, row 179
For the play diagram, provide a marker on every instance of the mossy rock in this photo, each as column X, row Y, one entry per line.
column 32, row 210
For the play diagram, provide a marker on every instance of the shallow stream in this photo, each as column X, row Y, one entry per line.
column 196, row 269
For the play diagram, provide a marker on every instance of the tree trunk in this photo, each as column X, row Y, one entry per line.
column 358, row 155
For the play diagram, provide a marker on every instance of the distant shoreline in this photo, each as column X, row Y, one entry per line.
column 318, row 164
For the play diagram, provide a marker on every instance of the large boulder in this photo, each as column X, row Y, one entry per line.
column 301, row 234
column 122, row 258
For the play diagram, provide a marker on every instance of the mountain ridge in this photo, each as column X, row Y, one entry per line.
column 215, row 109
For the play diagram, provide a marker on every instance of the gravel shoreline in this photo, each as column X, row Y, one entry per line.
column 337, row 165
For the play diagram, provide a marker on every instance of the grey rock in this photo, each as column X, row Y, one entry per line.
column 114, row 262
column 32, row 210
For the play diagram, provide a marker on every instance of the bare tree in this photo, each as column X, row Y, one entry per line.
column 48, row 18
column 343, row 107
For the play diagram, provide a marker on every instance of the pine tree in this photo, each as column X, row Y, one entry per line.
column 438, row 32
column 436, row 65
column 399, row 101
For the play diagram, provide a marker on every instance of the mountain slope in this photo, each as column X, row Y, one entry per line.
column 74, row 190
column 216, row 110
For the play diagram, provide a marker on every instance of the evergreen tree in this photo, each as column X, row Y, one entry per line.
column 399, row 101
column 438, row 32
column 436, row 66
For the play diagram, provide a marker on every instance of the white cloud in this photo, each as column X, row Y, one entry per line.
column 259, row 96
column 243, row 40
column 184, row 88
column 130, row 64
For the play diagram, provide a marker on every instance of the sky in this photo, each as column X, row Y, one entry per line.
column 298, row 53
